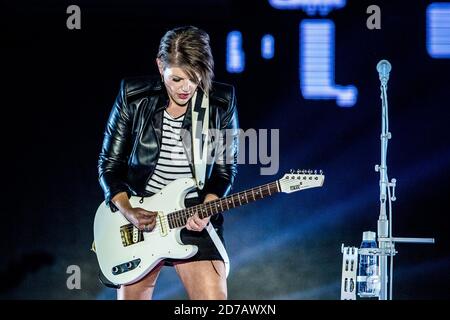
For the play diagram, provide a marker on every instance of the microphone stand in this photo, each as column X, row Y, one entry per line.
column 385, row 238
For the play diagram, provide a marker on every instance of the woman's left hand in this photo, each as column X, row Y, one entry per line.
column 195, row 223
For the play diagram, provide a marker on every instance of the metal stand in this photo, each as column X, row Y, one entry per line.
column 386, row 242
column 349, row 267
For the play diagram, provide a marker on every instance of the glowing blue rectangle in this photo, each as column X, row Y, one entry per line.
column 438, row 30
column 317, row 64
column 235, row 53
column 267, row 46
column 311, row 7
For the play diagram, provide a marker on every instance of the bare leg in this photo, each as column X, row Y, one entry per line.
column 203, row 280
column 141, row 290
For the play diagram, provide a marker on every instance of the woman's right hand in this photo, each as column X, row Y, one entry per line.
column 142, row 219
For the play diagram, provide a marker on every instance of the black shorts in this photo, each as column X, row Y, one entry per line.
column 206, row 247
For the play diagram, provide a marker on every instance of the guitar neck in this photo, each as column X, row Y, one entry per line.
column 179, row 218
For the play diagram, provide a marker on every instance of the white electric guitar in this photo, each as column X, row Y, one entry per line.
column 126, row 254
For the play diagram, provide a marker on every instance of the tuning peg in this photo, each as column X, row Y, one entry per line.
column 298, row 171
column 291, row 171
column 320, row 171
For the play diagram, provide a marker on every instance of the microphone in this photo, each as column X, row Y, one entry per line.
column 383, row 68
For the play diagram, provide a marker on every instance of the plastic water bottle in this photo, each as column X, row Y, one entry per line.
column 368, row 279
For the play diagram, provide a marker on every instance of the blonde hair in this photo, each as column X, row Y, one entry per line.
column 188, row 48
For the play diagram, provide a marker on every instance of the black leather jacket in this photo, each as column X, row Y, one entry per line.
column 133, row 137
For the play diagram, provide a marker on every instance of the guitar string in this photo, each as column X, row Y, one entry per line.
column 210, row 204
column 179, row 214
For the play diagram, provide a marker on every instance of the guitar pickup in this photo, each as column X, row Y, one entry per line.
column 125, row 267
column 163, row 225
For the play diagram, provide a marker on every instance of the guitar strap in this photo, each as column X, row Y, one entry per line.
column 200, row 120
column 200, row 137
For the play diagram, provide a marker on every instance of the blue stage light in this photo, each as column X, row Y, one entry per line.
column 438, row 30
column 235, row 53
column 267, row 46
column 311, row 7
column 317, row 63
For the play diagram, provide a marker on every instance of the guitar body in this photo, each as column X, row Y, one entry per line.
column 125, row 255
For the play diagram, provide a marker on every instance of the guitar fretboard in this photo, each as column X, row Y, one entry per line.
column 179, row 218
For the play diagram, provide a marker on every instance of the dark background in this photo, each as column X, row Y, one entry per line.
column 58, row 88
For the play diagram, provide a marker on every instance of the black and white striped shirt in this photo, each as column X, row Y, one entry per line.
column 172, row 163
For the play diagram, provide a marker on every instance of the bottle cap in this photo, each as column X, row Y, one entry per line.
column 369, row 236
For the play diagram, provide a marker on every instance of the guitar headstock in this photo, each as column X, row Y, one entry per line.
column 298, row 180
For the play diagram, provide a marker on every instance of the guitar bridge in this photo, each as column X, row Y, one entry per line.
column 130, row 235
